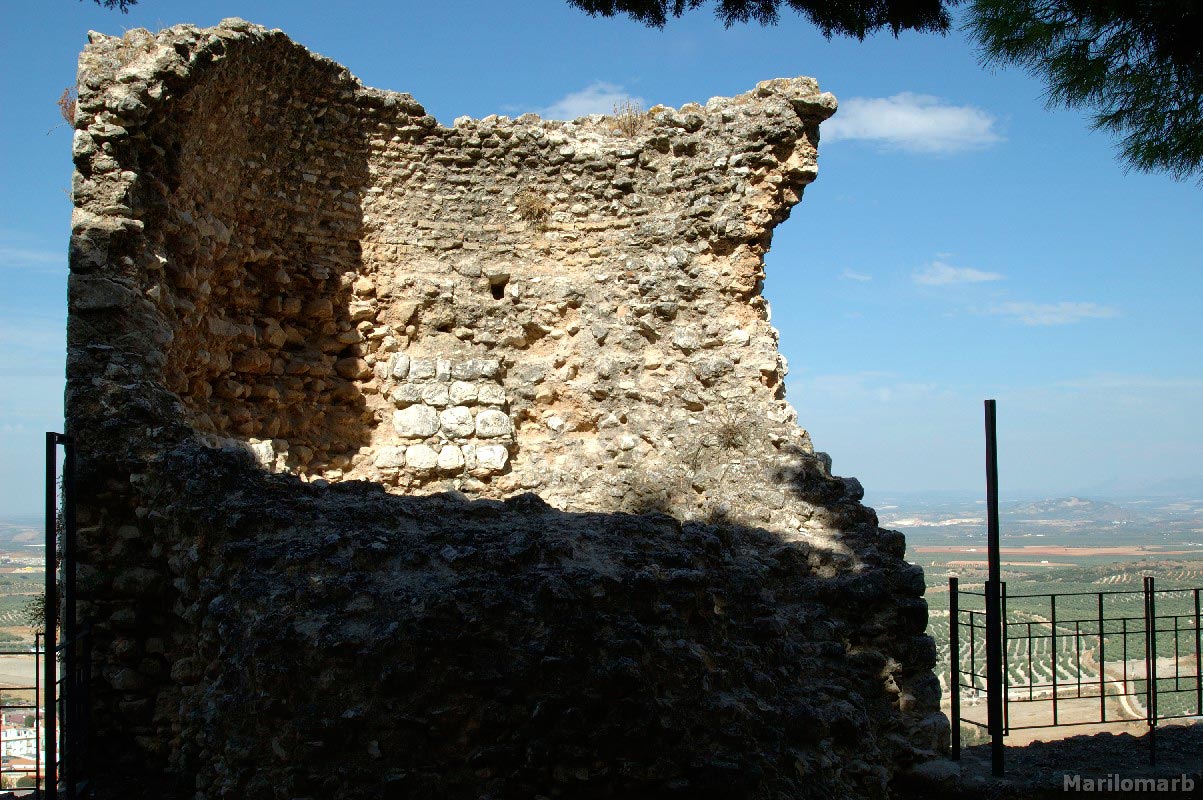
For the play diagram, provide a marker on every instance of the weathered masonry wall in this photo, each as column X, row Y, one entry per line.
column 274, row 265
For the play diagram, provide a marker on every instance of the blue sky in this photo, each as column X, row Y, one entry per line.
column 962, row 241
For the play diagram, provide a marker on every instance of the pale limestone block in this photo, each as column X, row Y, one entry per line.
column 421, row 369
column 390, row 457
column 407, row 394
column 457, row 423
column 491, row 424
column 451, row 458
column 475, row 368
column 738, row 337
column 400, row 366
column 416, row 422
column 492, row 457
column 435, row 395
column 490, row 394
column 462, row 392
column 489, row 367
column 362, row 310
column 421, row 457
column 468, row 370
column 263, row 452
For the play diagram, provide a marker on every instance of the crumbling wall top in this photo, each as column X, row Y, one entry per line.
column 324, row 275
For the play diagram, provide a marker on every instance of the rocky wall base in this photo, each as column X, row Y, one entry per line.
column 347, row 643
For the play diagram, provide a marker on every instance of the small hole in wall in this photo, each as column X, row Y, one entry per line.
column 497, row 287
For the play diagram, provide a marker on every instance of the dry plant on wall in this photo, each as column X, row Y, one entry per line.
column 66, row 104
column 629, row 117
column 532, row 206
column 726, row 433
column 731, row 428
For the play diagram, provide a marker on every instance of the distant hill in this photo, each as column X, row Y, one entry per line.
column 19, row 531
column 1076, row 509
column 1181, row 486
column 1162, row 521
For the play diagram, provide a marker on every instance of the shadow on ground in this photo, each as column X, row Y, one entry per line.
column 1052, row 769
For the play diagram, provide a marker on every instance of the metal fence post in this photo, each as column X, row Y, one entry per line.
column 994, row 656
column 38, row 642
column 1002, row 650
column 69, row 622
column 1151, row 667
column 1198, row 657
column 69, row 754
column 954, row 672
column 50, row 664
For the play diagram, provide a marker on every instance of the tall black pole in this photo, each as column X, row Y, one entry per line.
column 994, row 621
column 71, row 691
column 50, row 664
column 954, row 672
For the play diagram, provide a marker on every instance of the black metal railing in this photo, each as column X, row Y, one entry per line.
column 1076, row 658
column 53, row 749
column 25, row 760
column 22, row 759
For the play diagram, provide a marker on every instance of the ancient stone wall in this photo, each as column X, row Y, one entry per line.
column 270, row 259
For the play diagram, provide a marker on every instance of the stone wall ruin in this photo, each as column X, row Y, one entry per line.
column 314, row 334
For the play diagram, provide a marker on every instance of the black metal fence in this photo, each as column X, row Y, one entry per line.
column 45, row 755
column 26, row 766
column 1075, row 658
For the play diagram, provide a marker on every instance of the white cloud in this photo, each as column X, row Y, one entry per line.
column 859, row 277
column 883, row 387
column 919, row 123
column 1113, row 381
column 27, row 259
column 939, row 273
column 596, row 98
column 1064, row 313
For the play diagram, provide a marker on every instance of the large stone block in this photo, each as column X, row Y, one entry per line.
column 491, row 395
column 492, row 457
column 461, row 392
column 421, row 457
column 491, row 424
column 416, row 422
column 451, row 458
column 457, row 422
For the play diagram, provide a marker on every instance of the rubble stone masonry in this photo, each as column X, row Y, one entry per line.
column 315, row 337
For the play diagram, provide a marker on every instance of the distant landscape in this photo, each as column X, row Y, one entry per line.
column 1063, row 545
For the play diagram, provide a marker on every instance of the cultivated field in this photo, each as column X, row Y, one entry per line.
column 1097, row 672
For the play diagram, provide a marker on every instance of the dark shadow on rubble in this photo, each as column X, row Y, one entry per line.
column 345, row 642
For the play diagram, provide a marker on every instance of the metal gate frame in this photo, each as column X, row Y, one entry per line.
column 991, row 624
column 66, row 663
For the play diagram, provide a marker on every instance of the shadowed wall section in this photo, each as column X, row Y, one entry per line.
column 294, row 299
column 255, row 190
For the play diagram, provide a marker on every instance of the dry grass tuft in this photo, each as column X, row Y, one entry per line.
column 629, row 118
column 532, row 206
column 731, row 429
